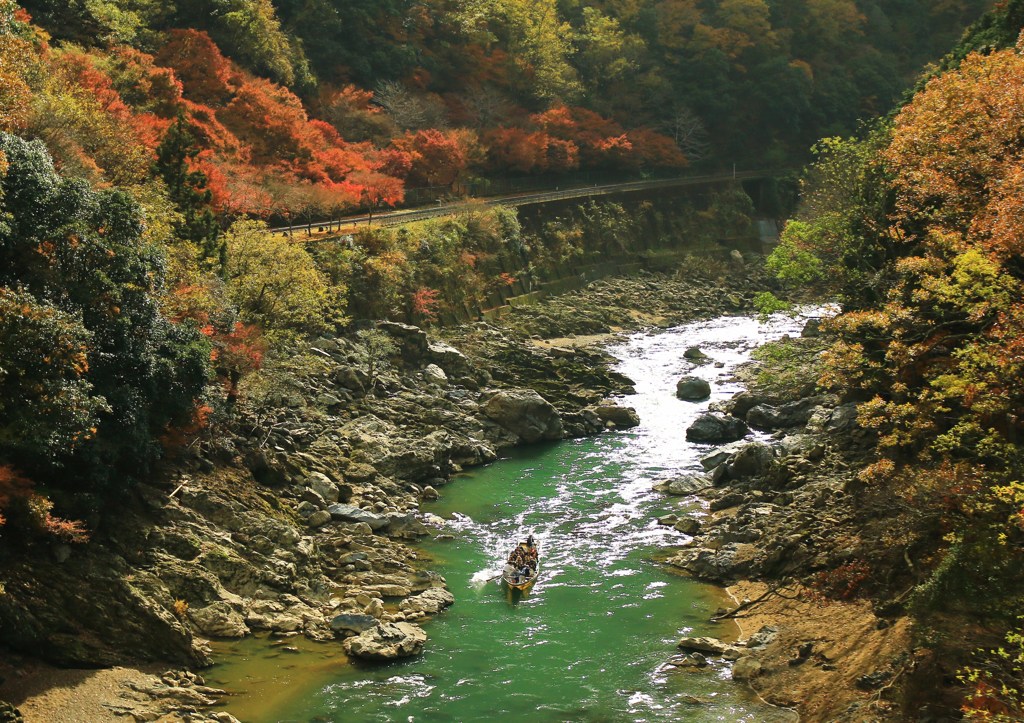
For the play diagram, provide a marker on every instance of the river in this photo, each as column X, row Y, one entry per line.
column 589, row 642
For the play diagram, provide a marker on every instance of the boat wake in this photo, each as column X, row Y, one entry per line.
column 484, row 576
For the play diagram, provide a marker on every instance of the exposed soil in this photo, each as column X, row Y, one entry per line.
column 848, row 641
column 45, row 694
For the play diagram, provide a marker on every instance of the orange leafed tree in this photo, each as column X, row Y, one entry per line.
column 439, row 158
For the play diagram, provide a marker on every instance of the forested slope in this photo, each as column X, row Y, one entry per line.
column 917, row 227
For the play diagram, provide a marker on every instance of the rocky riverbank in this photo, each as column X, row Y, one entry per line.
column 787, row 527
column 298, row 516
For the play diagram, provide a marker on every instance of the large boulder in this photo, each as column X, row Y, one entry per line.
column 450, row 359
column 693, row 389
column 351, row 513
column 387, row 641
column 716, row 428
column 620, row 417
column 525, row 413
column 412, row 340
column 793, row 414
column 753, row 460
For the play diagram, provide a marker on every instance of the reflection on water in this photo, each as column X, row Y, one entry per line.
column 589, row 641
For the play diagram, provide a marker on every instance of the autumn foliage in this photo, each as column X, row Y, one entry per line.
column 920, row 232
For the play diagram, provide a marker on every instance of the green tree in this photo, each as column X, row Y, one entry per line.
column 187, row 188
column 273, row 281
column 81, row 253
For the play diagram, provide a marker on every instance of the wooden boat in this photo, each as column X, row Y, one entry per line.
column 513, row 575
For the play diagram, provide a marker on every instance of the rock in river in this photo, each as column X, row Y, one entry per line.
column 715, row 427
column 693, row 389
column 387, row 641
column 525, row 413
column 621, row 417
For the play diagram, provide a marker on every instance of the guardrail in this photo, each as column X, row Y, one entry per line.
column 394, row 218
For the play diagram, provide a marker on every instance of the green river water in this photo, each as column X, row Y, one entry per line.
column 589, row 642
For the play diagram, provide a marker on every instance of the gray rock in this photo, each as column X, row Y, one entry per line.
column 621, row 417
column 351, row 513
column 323, row 486
column 693, row 389
column 306, row 508
column 318, row 519
column 668, row 520
column 430, row 601
column 412, row 340
column 811, row 329
column 842, row 419
column 435, row 375
column 720, row 455
column 753, row 460
column 387, row 641
column 688, row 526
column 762, row 637
column 711, row 646
column 352, row 623
column 450, row 359
column 792, row 414
column 525, row 413
column 685, row 485
column 715, row 427
column 351, row 558
column 746, row 668
column 429, row 493
column 694, row 354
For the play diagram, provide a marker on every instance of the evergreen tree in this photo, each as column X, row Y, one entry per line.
column 188, row 189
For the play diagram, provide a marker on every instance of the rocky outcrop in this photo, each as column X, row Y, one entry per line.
column 387, row 641
column 710, row 646
column 431, row 601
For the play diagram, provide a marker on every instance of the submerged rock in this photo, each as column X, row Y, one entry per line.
column 352, row 623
